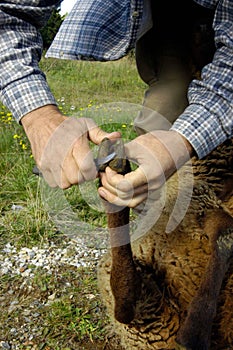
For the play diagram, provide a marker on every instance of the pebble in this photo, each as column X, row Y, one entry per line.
column 25, row 260
column 5, row 345
column 52, row 296
column 17, row 207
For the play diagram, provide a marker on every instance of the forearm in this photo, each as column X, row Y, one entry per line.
column 23, row 86
column 208, row 120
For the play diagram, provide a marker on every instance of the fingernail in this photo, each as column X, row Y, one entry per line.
column 102, row 193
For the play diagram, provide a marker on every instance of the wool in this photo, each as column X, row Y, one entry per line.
column 171, row 265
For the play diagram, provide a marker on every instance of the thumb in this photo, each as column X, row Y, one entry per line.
column 96, row 134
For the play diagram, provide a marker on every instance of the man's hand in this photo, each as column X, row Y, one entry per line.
column 158, row 155
column 60, row 145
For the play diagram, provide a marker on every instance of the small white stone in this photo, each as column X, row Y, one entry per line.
column 52, row 296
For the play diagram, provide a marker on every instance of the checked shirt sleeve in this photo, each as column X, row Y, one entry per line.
column 23, row 86
column 208, row 120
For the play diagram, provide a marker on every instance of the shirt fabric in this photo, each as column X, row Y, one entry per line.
column 208, row 120
column 109, row 32
column 23, row 86
column 98, row 30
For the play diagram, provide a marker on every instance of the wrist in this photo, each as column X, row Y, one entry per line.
column 177, row 146
column 187, row 144
column 49, row 114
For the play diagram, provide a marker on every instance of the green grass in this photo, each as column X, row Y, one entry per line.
column 78, row 84
column 80, row 88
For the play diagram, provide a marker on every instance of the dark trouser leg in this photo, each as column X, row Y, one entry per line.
column 167, row 57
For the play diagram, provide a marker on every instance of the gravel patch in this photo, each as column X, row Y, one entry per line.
column 25, row 260
column 20, row 297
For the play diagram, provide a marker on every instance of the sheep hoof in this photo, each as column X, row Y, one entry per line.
column 125, row 312
column 125, row 301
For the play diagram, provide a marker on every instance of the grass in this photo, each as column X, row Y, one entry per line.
column 84, row 84
column 76, row 318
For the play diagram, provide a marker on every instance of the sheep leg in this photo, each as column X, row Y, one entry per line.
column 124, row 280
column 196, row 331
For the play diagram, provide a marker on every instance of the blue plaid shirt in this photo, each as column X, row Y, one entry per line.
column 208, row 120
column 106, row 30
column 111, row 29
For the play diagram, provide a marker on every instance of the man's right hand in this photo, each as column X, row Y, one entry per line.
column 60, row 145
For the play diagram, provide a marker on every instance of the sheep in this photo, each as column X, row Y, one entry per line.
column 184, row 300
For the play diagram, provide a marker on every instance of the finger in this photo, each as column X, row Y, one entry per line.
column 57, row 178
column 96, row 134
column 84, row 159
column 133, row 179
column 49, row 178
column 111, row 198
column 123, row 188
column 69, row 172
column 63, row 175
column 111, row 177
column 115, row 135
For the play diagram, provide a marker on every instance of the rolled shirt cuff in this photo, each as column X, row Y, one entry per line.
column 202, row 129
column 27, row 94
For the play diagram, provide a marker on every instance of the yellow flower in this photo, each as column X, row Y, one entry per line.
column 124, row 126
column 16, row 136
